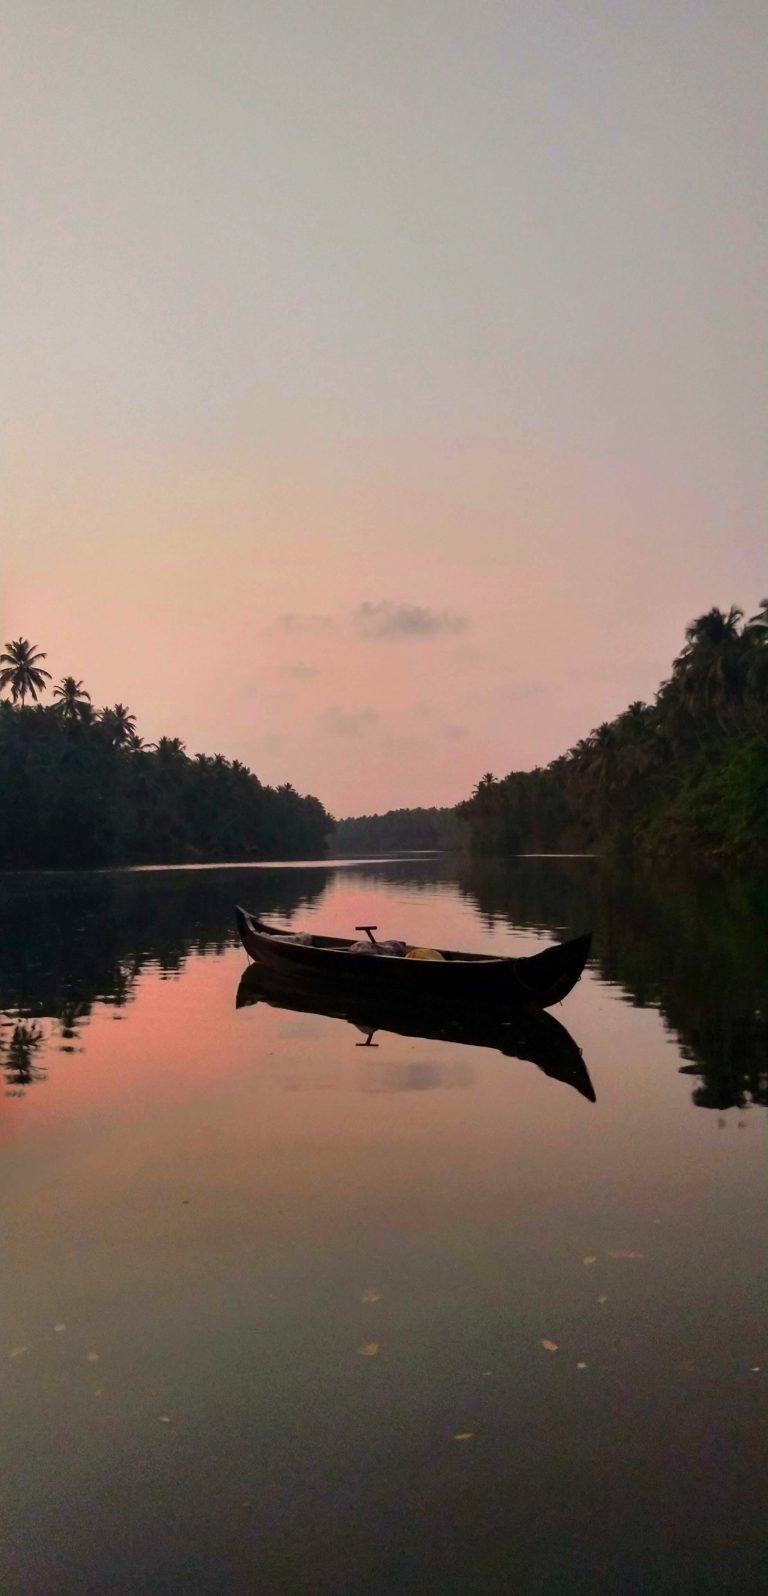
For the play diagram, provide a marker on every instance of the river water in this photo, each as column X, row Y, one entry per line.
column 296, row 1305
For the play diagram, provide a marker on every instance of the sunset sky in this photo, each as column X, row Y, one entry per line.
column 384, row 384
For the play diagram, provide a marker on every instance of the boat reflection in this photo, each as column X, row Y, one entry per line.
column 537, row 1038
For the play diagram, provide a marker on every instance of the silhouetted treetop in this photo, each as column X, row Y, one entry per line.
column 81, row 787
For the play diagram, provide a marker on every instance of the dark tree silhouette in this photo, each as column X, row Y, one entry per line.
column 74, row 702
column 397, row 830
column 689, row 771
column 22, row 672
column 119, row 725
column 81, row 789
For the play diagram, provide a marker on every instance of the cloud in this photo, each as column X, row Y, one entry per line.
column 337, row 722
column 295, row 623
column 385, row 620
column 298, row 672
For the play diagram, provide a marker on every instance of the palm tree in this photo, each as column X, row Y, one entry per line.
column 716, row 629
column 759, row 623
column 633, row 722
column 119, row 724
column 756, row 639
column 22, row 672
column 710, row 668
column 74, row 702
column 170, row 748
column 603, row 762
column 638, row 740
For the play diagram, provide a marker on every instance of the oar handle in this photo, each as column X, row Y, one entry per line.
column 370, row 929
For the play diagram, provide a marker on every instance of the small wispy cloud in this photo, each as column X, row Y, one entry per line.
column 386, row 620
column 298, row 672
column 295, row 622
column 338, row 722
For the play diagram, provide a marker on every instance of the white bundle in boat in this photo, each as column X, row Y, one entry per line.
column 392, row 950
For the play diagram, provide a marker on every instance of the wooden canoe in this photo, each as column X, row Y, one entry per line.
column 521, row 1033
column 536, row 981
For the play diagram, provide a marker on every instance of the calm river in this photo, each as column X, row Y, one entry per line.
column 294, row 1306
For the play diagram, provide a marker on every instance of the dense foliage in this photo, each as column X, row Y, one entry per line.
column 397, row 830
column 79, row 787
column 689, row 771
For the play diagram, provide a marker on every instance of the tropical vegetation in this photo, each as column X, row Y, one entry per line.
column 688, row 772
column 79, row 786
column 22, row 672
column 396, row 831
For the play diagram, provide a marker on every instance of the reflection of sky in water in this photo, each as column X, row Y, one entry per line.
column 419, row 1075
column 204, row 1196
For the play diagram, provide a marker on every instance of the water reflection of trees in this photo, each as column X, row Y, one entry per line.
column 694, row 948
column 68, row 942
column 18, row 1062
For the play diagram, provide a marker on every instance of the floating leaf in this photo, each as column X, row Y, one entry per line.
column 369, row 1349
column 621, row 1253
column 58, row 1328
column 464, row 1435
column 589, row 1260
column 603, row 1298
column 93, row 1357
column 371, row 1294
column 164, row 1419
column 581, row 1366
column 17, row 1352
column 549, row 1346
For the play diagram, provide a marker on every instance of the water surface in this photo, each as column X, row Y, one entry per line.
column 292, row 1305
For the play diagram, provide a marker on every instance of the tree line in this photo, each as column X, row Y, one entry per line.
column 80, row 787
column 688, row 772
column 397, row 830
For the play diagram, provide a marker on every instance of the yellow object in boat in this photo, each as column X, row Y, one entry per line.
column 424, row 953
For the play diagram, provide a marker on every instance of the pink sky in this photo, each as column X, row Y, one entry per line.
column 437, row 329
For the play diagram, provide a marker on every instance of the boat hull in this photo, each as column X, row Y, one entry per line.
column 537, row 981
